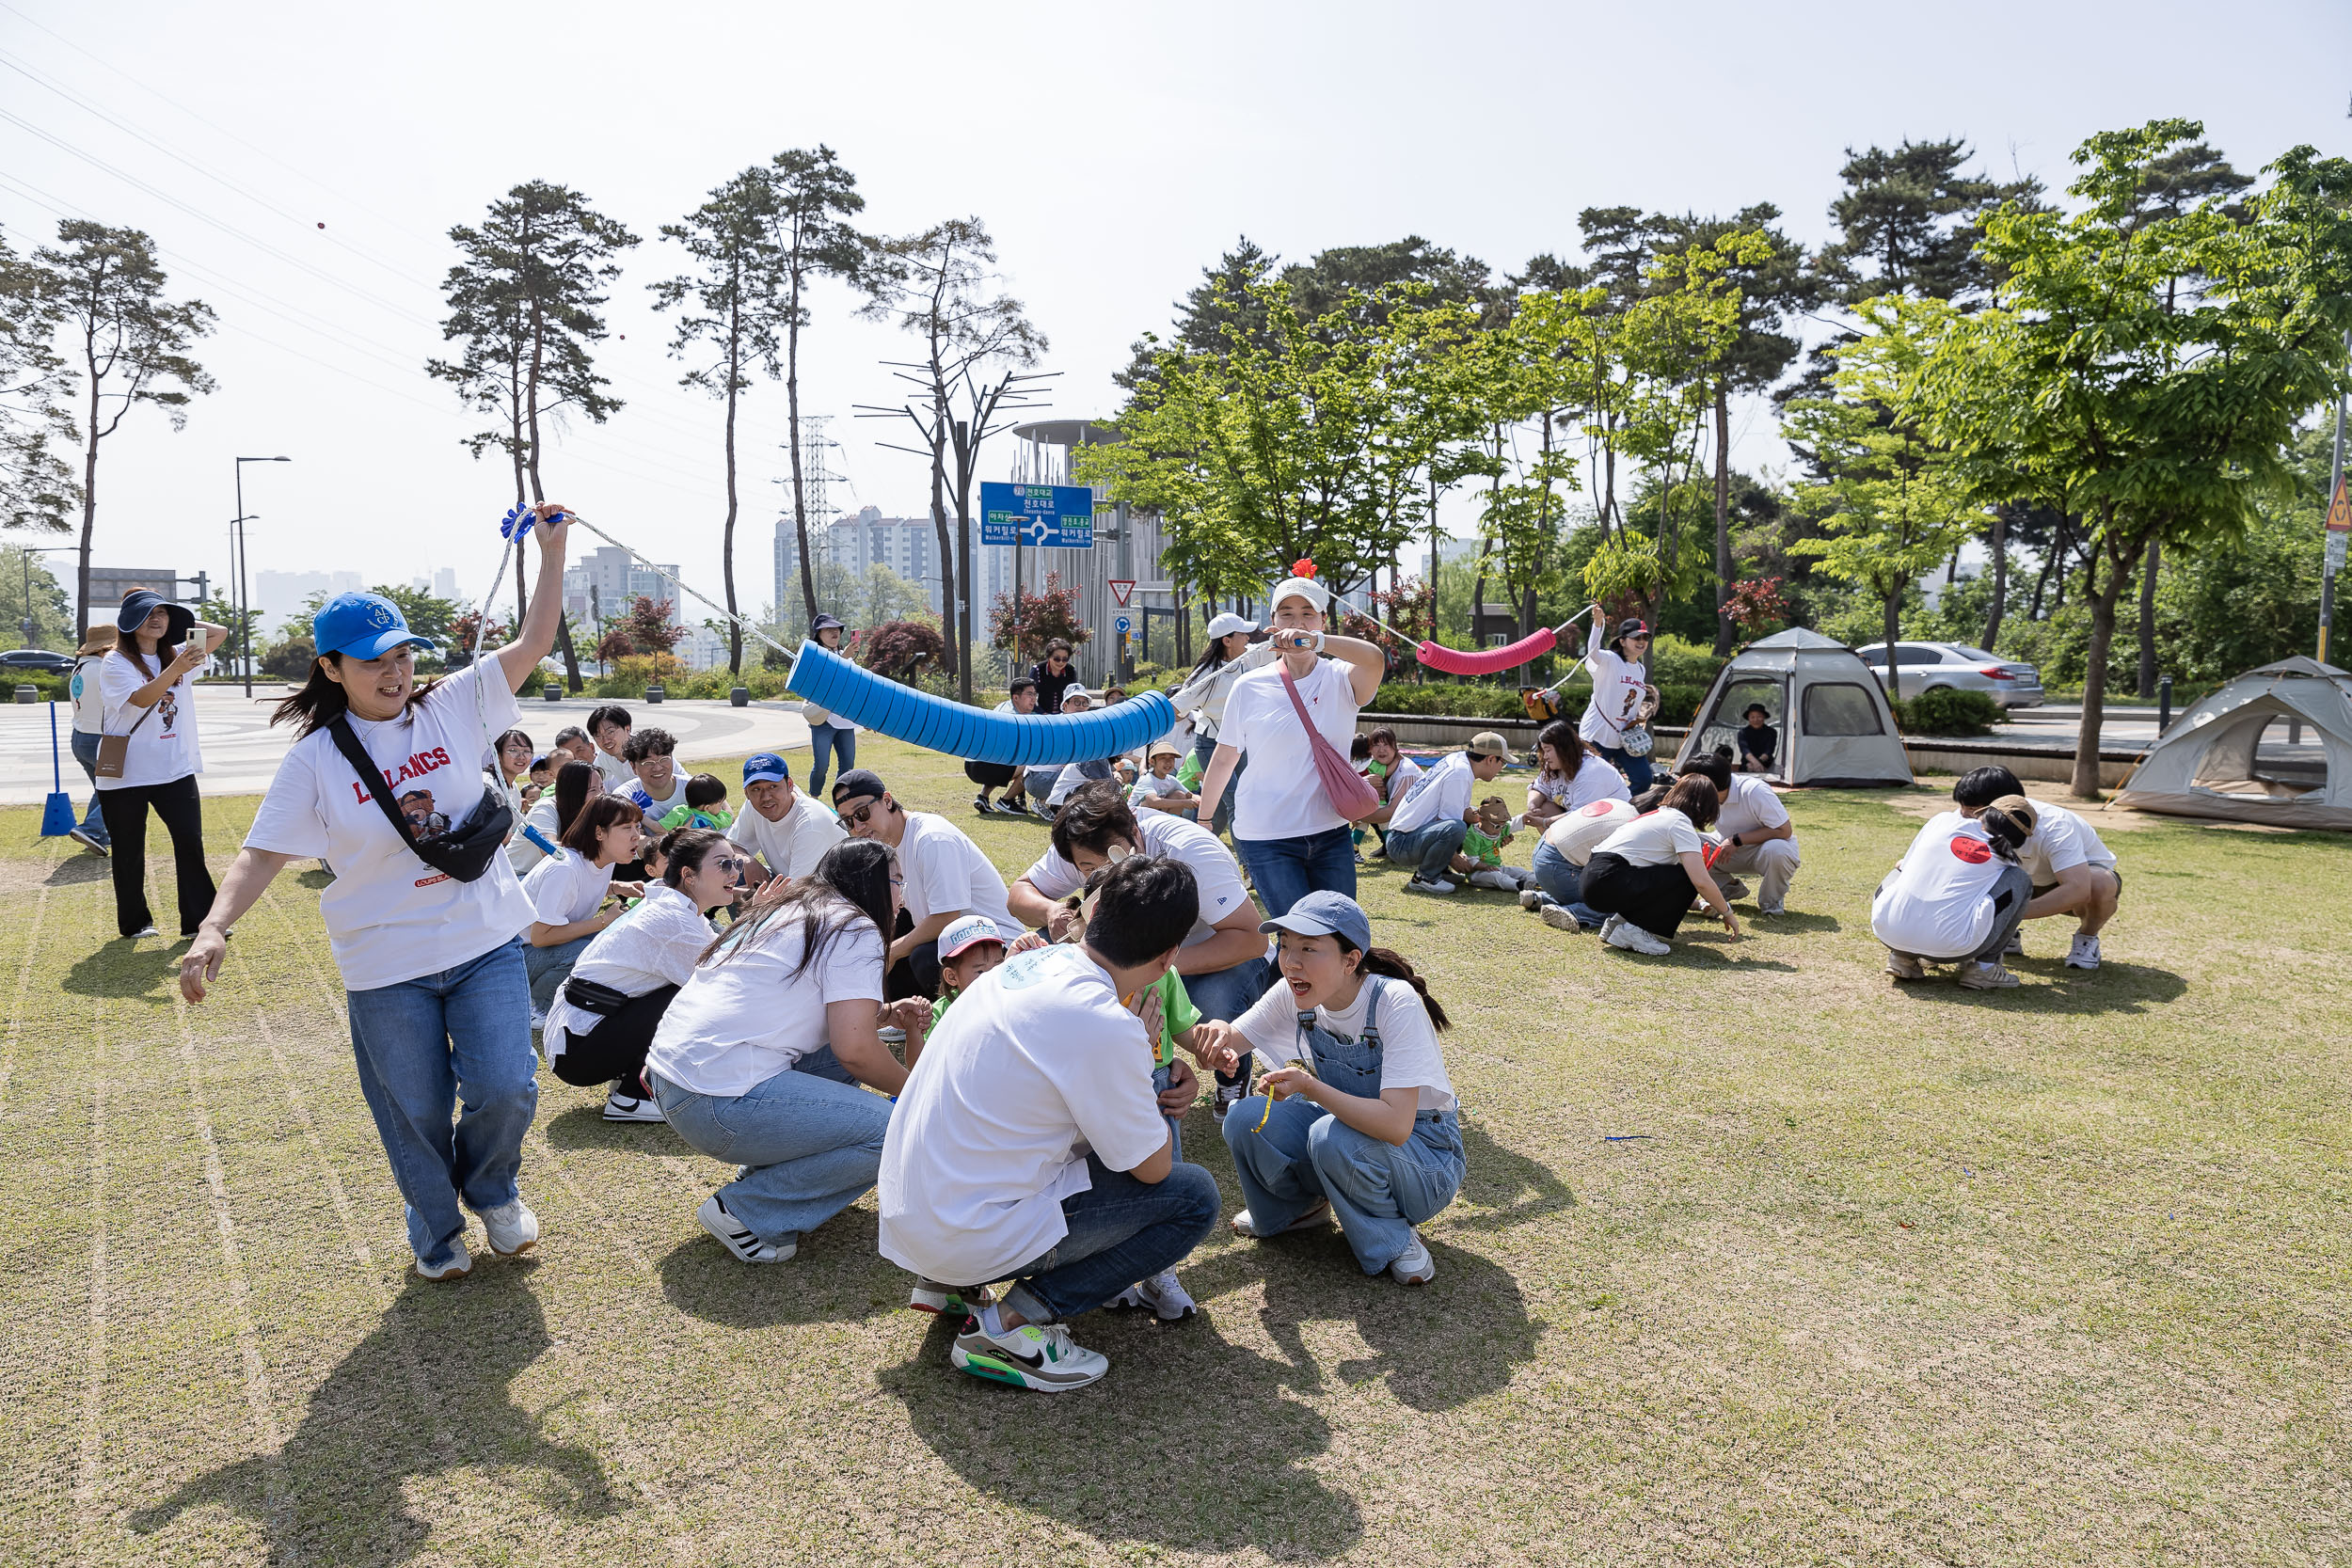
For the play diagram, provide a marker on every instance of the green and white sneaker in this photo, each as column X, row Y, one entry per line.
column 930, row 1295
column 1040, row 1357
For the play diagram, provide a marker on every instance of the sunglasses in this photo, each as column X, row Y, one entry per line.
column 859, row 818
column 728, row 864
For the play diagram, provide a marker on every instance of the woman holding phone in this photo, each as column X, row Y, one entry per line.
column 145, row 687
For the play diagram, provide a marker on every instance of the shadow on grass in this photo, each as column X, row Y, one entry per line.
column 1791, row 923
column 336, row 1491
column 837, row 1275
column 2112, row 988
column 126, row 969
column 1503, row 1188
column 584, row 1127
column 317, row 877
column 76, row 870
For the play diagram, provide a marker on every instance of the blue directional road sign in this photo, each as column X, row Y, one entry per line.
column 1125, row 624
column 1043, row 517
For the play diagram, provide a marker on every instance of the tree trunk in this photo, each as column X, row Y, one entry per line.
column 792, row 434
column 2049, row 561
column 2148, row 620
column 1891, row 607
column 2085, row 784
column 1725, row 632
column 2000, row 577
column 947, row 555
column 726, row 548
column 89, row 505
column 966, row 460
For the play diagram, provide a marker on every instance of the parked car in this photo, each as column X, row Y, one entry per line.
column 36, row 661
column 1923, row 666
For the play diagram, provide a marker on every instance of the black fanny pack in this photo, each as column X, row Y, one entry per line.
column 590, row 997
column 463, row 853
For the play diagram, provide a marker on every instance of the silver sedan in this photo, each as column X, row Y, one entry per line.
column 1924, row 666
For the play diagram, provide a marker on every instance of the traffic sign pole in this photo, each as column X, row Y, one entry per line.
column 2338, row 526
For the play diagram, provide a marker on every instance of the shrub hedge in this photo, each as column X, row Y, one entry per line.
column 1949, row 711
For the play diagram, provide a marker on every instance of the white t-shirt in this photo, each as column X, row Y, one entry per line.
column 1653, row 838
column 1401, row 777
column 1033, row 1067
column 565, row 887
column 1409, row 1057
column 1617, row 693
column 1443, row 794
column 89, row 706
column 1938, row 902
column 746, row 1015
column 1597, row 779
column 2061, row 841
column 1752, row 806
column 1151, row 788
column 1587, row 828
column 946, row 873
column 617, row 775
column 654, row 944
column 520, row 852
column 1281, row 794
column 389, row 916
column 165, row 747
column 1215, row 872
column 642, row 798
column 793, row 844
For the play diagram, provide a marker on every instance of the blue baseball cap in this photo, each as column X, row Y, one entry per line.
column 362, row 626
column 1327, row 914
column 766, row 768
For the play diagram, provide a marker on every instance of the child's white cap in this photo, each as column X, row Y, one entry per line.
column 963, row 933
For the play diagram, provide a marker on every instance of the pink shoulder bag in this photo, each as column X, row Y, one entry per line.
column 1351, row 794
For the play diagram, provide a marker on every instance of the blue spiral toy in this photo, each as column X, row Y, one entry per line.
column 828, row 681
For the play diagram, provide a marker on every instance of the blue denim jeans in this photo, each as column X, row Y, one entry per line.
column 455, row 1041
column 1563, row 883
column 1205, row 752
column 811, row 1136
column 85, row 753
column 1284, row 870
column 1121, row 1229
column 1636, row 769
column 1378, row 1188
column 826, row 743
column 1161, row 1078
column 549, row 967
column 1428, row 849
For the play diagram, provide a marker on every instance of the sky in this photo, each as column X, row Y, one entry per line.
column 1114, row 151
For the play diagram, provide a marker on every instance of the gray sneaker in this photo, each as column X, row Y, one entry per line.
column 1531, row 898
column 455, row 1266
column 1902, row 966
column 88, row 840
column 1560, row 918
column 1162, row 1295
column 1038, row 1357
column 1985, row 976
column 511, row 1227
column 2016, row 945
column 1414, row 1266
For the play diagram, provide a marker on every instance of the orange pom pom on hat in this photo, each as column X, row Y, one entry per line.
column 1300, row 584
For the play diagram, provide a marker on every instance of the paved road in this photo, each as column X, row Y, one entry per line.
column 242, row 750
column 2135, row 728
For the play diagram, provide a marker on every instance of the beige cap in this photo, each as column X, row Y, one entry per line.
column 1485, row 743
column 1164, row 749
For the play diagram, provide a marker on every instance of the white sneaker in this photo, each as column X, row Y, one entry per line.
column 1320, row 1215
column 737, row 1239
column 1902, row 966
column 930, row 1295
column 1609, row 927
column 511, row 1228
column 1985, row 976
column 1531, row 898
column 87, row 840
column 2017, row 947
column 1635, row 940
column 2083, row 954
column 1414, row 884
column 538, row 1018
column 1161, row 1294
column 1229, row 1096
column 1414, row 1266
column 454, row 1267
column 619, row 1106
column 1038, row 1357
column 146, row 930
column 1561, row 918
column 891, row 1034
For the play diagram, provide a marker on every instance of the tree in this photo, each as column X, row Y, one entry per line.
column 129, row 343
column 813, row 198
column 1909, row 223
column 734, row 309
column 898, row 648
column 524, row 300
column 647, row 625
column 37, row 489
column 1024, row 628
column 244, row 627
column 2161, row 419
column 30, row 592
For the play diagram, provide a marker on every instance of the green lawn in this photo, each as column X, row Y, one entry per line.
column 1760, row 1258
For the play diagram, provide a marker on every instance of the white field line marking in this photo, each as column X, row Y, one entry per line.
column 23, row 986
column 94, row 1385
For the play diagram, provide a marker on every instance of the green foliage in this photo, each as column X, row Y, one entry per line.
column 1041, row 617
column 37, row 489
column 1946, row 710
column 52, row 616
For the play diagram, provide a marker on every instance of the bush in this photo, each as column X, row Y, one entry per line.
column 1949, row 711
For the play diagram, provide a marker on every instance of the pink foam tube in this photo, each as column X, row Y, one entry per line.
column 1486, row 662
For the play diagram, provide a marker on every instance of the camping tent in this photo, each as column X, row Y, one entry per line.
column 1834, row 725
column 2210, row 762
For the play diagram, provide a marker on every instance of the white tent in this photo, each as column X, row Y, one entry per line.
column 2209, row 763
column 1831, row 712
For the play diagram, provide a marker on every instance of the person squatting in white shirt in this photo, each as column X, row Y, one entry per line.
column 2073, row 873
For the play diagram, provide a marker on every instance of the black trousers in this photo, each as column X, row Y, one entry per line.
column 990, row 775
column 615, row 1049
column 182, row 811
column 1655, row 897
column 917, row 973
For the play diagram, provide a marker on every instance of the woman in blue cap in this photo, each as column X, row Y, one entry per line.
column 144, row 690
column 1362, row 1123
column 429, row 950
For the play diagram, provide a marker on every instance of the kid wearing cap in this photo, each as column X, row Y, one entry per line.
column 1159, row 790
column 967, row 949
column 1479, row 863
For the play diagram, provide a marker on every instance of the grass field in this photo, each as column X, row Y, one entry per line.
column 1760, row 1258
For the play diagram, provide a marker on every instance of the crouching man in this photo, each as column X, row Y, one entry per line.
column 2073, row 873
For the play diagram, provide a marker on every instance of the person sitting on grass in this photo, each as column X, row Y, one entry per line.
column 568, row 889
column 1028, row 1143
column 659, row 788
column 572, row 743
column 1570, row 775
column 1757, row 835
column 1393, row 773
column 705, row 806
column 2073, row 872
column 1159, row 789
column 967, row 949
column 1645, row 875
column 610, row 728
column 786, row 830
column 1958, row 894
column 1558, row 863
column 943, row 875
column 1479, row 863
column 1020, row 700
column 1428, row 827
column 1362, row 1121
column 1759, row 743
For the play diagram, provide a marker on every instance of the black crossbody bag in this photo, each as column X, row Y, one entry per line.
column 464, row 853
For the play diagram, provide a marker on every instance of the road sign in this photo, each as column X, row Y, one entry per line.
column 2335, row 549
column 1123, row 623
column 2339, row 514
column 1043, row 517
column 1122, row 591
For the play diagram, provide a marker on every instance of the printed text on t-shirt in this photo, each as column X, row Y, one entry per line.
column 416, row 766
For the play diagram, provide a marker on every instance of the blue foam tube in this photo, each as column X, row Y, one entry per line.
column 831, row 682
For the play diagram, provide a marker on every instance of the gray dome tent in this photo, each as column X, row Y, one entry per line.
column 2209, row 763
column 1834, row 725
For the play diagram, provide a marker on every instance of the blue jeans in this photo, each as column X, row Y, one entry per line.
column 1121, row 1229
column 1636, row 769
column 1161, row 1078
column 85, row 753
column 1203, row 752
column 549, row 967
column 1429, row 849
column 824, row 744
column 1225, row 994
column 1284, row 870
column 1378, row 1188
column 1563, row 883
column 811, row 1136
column 458, row 1040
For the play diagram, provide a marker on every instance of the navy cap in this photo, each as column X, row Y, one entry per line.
column 766, row 768
column 138, row 603
column 1634, row 626
column 825, row 623
column 1327, row 914
column 362, row 625
column 857, row 784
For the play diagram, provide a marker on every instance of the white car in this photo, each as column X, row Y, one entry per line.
column 1924, row 666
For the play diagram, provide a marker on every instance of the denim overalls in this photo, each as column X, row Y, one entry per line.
column 1378, row 1190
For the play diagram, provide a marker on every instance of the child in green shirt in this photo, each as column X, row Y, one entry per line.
column 706, row 805
column 968, row 948
column 1480, row 858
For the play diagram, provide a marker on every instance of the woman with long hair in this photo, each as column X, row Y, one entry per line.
column 1645, row 875
column 430, row 950
column 1569, row 773
column 147, row 696
column 1362, row 1122
column 830, row 740
column 1622, row 699
column 576, row 785
column 758, row 1058
column 1201, row 697
column 568, row 889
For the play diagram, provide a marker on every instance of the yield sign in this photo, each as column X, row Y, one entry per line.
column 2339, row 514
column 1122, row 591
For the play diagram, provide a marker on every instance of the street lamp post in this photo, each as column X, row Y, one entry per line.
column 245, row 619
column 25, row 554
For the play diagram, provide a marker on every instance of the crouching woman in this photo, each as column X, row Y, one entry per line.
column 1362, row 1123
